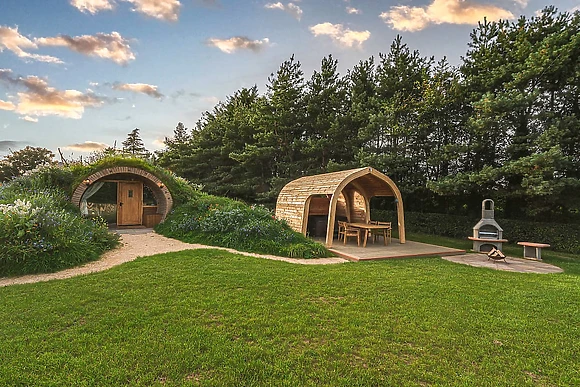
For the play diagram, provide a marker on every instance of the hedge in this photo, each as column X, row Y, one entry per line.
column 561, row 237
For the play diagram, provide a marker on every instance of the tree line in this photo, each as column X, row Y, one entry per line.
column 503, row 124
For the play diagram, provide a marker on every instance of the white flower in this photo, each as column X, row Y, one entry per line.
column 19, row 207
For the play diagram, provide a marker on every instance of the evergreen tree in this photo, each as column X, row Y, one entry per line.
column 395, row 142
column 176, row 147
column 327, row 136
column 134, row 146
column 277, row 152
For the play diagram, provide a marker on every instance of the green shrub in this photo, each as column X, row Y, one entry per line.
column 561, row 237
column 41, row 231
column 224, row 222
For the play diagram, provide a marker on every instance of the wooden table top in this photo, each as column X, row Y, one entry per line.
column 532, row 244
column 369, row 226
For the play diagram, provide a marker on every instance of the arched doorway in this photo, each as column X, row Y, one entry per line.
column 141, row 197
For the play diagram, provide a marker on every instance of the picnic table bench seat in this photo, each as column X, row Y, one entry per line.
column 533, row 250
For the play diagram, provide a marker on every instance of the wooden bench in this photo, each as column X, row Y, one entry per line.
column 533, row 250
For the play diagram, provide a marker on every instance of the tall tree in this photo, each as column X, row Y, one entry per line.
column 328, row 137
column 395, row 143
column 280, row 130
column 175, row 148
column 134, row 145
column 522, row 84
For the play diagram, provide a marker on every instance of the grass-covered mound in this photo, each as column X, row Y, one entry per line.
column 219, row 221
column 181, row 190
column 41, row 231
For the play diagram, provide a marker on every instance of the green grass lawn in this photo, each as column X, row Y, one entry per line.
column 214, row 318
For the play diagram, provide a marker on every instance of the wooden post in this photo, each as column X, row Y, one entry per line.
column 331, row 217
column 400, row 218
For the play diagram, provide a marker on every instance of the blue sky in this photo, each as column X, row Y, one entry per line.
column 81, row 74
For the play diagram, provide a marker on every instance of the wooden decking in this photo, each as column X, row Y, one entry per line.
column 395, row 249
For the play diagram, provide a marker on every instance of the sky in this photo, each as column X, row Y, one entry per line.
column 79, row 75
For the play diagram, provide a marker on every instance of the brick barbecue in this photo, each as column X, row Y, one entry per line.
column 487, row 234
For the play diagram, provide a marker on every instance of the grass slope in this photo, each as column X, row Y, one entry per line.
column 213, row 318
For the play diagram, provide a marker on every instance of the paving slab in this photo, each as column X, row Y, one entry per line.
column 512, row 264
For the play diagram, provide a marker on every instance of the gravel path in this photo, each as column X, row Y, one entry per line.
column 139, row 243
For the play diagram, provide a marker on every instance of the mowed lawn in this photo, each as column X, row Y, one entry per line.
column 214, row 318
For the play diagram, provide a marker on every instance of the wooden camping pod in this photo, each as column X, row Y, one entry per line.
column 346, row 192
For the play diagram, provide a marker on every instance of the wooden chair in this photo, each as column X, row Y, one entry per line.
column 351, row 232
column 385, row 233
column 341, row 228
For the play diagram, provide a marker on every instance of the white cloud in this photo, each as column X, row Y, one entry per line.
column 231, row 45
column 40, row 99
column 407, row 18
column 341, row 35
column 289, row 8
column 167, row 10
column 211, row 100
column 159, row 142
column 294, row 10
column 87, row 146
column 92, row 6
column 107, row 46
column 522, row 3
column 144, row 88
column 353, row 11
column 12, row 40
column 29, row 119
column 277, row 5
column 7, row 105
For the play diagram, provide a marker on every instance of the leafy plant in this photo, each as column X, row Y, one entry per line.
column 41, row 231
column 224, row 222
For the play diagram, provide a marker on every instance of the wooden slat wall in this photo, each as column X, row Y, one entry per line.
column 319, row 206
column 341, row 212
column 358, row 210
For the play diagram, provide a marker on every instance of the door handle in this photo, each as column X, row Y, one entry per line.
column 120, row 204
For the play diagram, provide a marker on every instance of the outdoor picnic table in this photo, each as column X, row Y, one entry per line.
column 369, row 227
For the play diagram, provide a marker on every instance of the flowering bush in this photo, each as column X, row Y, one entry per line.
column 39, row 232
column 228, row 223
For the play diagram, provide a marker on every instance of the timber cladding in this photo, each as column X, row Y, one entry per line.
column 345, row 194
column 158, row 188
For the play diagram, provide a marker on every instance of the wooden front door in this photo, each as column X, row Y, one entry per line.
column 129, row 203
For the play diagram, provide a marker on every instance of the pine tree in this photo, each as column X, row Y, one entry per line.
column 134, row 146
column 176, row 147
column 327, row 137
